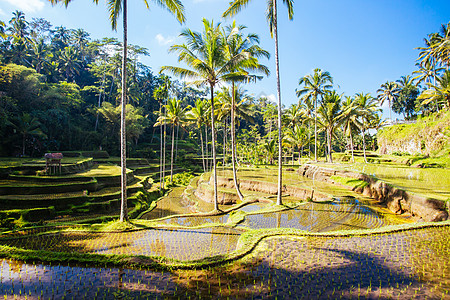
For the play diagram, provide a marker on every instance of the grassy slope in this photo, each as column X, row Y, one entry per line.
column 432, row 133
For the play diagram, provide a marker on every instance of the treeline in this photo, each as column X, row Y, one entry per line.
column 60, row 90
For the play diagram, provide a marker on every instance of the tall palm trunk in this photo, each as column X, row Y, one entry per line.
column 201, row 146
column 171, row 156
column 206, row 148
column 123, row 140
column 160, row 150
column 213, row 139
column 329, row 145
column 315, row 128
column 164, row 149
column 277, row 64
column 364, row 142
column 351, row 146
column 233, row 143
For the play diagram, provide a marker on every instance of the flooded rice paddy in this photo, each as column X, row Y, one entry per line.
column 403, row 265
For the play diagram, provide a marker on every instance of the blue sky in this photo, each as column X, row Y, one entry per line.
column 362, row 43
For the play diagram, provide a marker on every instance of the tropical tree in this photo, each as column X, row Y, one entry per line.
column 40, row 57
column 236, row 44
column 116, row 7
column 175, row 116
column 350, row 120
column 272, row 18
column 298, row 136
column 405, row 103
column 367, row 110
column 198, row 114
column 204, row 54
column 388, row 92
column 330, row 117
column 69, row 63
column 439, row 92
column 315, row 85
column 271, row 149
column 26, row 125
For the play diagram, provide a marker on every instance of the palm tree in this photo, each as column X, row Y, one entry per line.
column 236, row 44
column 270, row 148
column 69, row 63
column 307, row 107
column 439, row 92
column 3, row 34
column 175, row 116
column 367, row 109
column 388, row 92
column 271, row 15
column 40, row 56
column 204, row 53
column 115, row 7
column 330, row 116
column 26, row 125
column 298, row 136
column 198, row 114
column 428, row 73
column 314, row 86
column 19, row 26
column 350, row 120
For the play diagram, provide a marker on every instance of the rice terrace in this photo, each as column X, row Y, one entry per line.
column 163, row 162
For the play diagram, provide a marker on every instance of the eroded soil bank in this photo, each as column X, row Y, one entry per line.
column 396, row 199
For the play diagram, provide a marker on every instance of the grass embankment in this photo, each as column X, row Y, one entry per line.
column 427, row 141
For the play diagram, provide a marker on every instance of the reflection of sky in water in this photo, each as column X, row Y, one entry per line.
column 179, row 244
column 316, row 217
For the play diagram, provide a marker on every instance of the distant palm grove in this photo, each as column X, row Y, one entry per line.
column 61, row 90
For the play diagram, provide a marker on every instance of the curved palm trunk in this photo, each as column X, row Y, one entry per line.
column 277, row 64
column 171, row 156
column 123, row 139
column 233, row 143
column 206, row 148
column 213, row 139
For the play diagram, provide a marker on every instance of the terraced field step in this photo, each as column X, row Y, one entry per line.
column 11, row 187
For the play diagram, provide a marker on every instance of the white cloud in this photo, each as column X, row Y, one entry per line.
column 162, row 41
column 27, row 5
column 272, row 98
column 2, row 13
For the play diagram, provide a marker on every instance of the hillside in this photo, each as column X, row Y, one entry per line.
column 428, row 136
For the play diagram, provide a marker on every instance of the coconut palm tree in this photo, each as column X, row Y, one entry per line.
column 40, row 58
column 204, row 53
column 175, row 116
column 298, row 136
column 350, row 120
column 367, row 109
column 198, row 114
column 306, row 105
column 439, row 92
column 314, row 86
column 26, row 125
column 237, row 44
column 388, row 92
column 330, row 116
column 69, row 63
column 116, row 7
column 272, row 18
